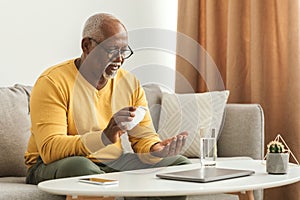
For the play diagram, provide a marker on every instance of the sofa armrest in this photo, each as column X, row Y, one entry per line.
column 243, row 131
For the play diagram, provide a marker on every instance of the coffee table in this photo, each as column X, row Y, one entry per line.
column 145, row 183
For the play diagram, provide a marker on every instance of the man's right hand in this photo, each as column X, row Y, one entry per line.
column 116, row 126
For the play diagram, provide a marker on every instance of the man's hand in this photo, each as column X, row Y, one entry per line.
column 116, row 126
column 169, row 147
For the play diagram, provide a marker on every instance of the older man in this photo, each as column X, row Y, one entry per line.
column 81, row 108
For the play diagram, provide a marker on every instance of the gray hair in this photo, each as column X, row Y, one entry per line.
column 93, row 25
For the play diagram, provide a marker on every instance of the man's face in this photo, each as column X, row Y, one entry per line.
column 106, row 55
column 115, row 49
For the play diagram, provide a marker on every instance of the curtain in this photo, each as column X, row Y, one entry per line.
column 255, row 45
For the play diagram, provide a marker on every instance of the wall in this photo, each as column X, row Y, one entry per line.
column 36, row 34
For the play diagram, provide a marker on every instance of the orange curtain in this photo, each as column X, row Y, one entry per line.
column 255, row 45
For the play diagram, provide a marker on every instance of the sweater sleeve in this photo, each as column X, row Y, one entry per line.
column 143, row 136
column 48, row 113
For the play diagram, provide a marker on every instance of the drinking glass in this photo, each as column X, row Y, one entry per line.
column 208, row 151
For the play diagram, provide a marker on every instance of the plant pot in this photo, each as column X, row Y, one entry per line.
column 277, row 163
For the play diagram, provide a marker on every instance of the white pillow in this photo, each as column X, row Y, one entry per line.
column 192, row 112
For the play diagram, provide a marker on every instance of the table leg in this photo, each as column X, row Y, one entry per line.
column 248, row 195
column 88, row 198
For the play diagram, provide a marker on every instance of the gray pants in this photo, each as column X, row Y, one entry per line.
column 79, row 166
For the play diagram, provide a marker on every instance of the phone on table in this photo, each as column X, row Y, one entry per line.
column 99, row 181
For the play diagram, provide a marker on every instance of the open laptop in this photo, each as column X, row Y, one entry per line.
column 206, row 174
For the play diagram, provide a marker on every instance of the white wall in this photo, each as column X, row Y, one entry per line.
column 36, row 34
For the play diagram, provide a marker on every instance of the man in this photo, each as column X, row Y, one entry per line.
column 80, row 109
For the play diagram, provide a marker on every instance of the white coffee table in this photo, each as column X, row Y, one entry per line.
column 145, row 183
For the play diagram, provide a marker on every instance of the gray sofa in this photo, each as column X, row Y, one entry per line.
column 243, row 122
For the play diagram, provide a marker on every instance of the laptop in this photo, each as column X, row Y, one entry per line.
column 206, row 174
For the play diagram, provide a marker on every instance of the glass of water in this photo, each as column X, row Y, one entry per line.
column 208, row 151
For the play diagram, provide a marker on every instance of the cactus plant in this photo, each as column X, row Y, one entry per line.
column 275, row 147
column 277, row 158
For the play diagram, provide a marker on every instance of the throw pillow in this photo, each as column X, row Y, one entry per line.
column 191, row 113
column 14, row 129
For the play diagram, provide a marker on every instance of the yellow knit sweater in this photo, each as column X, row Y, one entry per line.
column 68, row 116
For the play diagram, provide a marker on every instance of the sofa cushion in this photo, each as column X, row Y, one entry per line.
column 192, row 112
column 15, row 188
column 154, row 95
column 244, row 123
column 14, row 129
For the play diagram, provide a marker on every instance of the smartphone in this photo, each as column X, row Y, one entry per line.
column 99, row 181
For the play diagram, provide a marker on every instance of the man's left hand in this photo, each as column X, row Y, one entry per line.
column 169, row 147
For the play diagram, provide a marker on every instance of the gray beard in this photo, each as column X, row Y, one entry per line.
column 106, row 76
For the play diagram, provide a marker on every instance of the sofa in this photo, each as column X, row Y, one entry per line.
column 243, row 122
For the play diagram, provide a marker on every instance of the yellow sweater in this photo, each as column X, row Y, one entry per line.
column 68, row 116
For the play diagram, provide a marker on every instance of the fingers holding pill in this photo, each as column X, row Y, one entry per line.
column 122, row 121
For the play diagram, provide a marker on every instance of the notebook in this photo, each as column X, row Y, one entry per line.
column 206, row 174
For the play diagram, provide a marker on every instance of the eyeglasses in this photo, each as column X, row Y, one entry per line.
column 113, row 53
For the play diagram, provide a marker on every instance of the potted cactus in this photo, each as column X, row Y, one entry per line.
column 277, row 158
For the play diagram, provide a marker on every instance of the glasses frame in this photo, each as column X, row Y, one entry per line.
column 112, row 53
